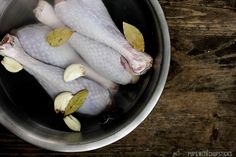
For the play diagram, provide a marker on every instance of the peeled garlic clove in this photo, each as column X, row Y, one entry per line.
column 72, row 123
column 73, row 72
column 11, row 65
column 61, row 102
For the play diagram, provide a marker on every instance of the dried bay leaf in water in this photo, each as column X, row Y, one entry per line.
column 76, row 102
column 59, row 36
column 134, row 36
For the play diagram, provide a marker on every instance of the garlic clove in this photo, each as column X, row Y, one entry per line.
column 61, row 102
column 73, row 72
column 73, row 123
column 11, row 65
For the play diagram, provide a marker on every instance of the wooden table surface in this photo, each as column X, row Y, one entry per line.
column 197, row 111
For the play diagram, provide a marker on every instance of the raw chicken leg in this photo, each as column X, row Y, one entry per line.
column 51, row 78
column 92, row 19
column 45, row 13
column 33, row 40
column 43, row 9
column 103, row 59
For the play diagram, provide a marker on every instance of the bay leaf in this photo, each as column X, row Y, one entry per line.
column 76, row 102
column 59, row 36
column 134, row 36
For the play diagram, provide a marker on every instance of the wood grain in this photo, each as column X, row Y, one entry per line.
column 197, row 110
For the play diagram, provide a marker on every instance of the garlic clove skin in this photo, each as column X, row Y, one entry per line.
column 11, row 65
column 73, row 123
column 61, row 102
column 73, row 72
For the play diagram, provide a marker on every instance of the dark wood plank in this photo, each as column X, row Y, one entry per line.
column 197, row 110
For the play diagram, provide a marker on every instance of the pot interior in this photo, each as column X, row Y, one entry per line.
column 28, row 105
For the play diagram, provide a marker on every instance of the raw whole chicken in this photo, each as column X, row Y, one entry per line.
column 105, row 60
column 33, row 40
column 51, row 78
column 91, row 18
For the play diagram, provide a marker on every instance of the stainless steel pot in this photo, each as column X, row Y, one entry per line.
column 27, row 111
